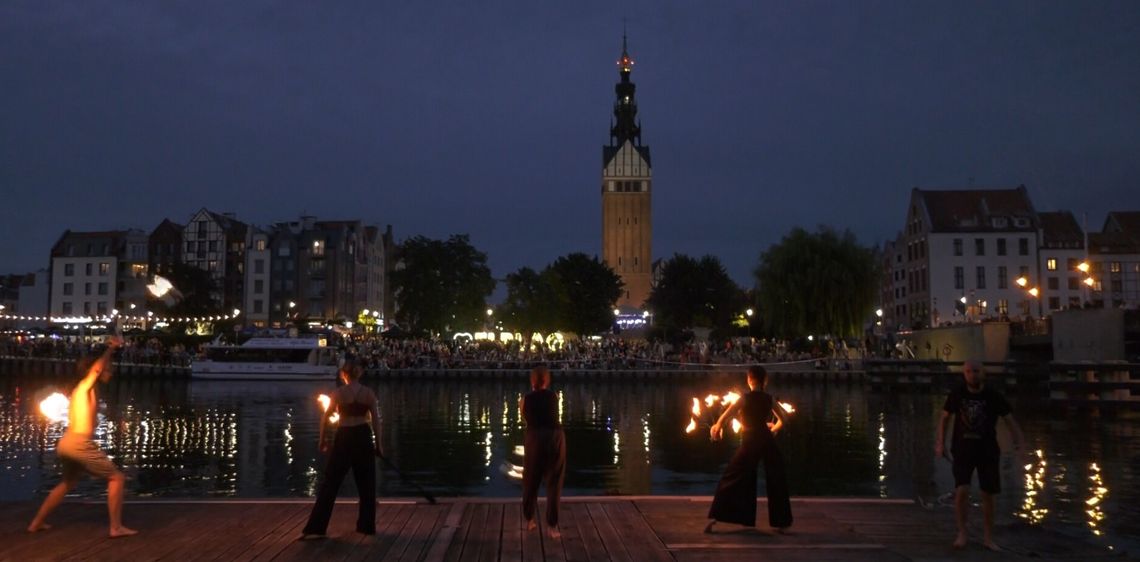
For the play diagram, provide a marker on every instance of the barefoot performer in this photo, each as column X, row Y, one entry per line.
column 976, row 409
column 355, row 445
column 735, row 500
column 78, row 453
column 544, row 450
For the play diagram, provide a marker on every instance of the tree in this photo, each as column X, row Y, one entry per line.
column 441, row 285
column 695, row 293
column 816, row 283
column 583, row 292
column 530, row 305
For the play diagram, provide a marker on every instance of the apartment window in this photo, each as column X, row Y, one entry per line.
column 1002, row 277
column 959, row 277
column 101, row 308
column 1117, row 285
column 259, row 245
column 981, row 281
column 1074, row 283
column 318, row 247
column 283, row 251
column 189, row 247
column 68, row 289
column 258, row 305
column 1071, row 264
column 1054, row 303
column 1023, row 246
column 1001, row 246
column 201, row 227
column 68, row 269
column 1097, row 286
column 1074, row 302
column 1024, row 271
column 979, row 246
column 102, row 288
column 104, row 267
column 1051, row 264
column 212, row 265
column 87, row 308
column 259, row 266
column 67, row 308
column 89, row 269
column 1002, row 307
column 213, row 247
column 86, row 288
column 957, row 246
column 1114, row 267
column 1054, row 284
column 258, row 286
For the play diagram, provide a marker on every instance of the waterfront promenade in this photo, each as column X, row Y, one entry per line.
column 593, row 528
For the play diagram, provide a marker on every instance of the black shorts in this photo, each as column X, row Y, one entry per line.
column 986, row 462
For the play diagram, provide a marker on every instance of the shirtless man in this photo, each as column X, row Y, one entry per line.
column 79, row 454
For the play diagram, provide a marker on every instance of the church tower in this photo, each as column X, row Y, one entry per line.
column 627, row 218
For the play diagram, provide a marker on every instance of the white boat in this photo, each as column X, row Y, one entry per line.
column 268, row 359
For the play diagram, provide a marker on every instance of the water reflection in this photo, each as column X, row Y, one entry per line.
column 460, row 437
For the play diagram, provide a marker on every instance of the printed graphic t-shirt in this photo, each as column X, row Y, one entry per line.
column 975, row 416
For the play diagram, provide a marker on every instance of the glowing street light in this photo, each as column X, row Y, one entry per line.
column 1090, row 281
column 1034, row 292
column 879, row 312
column 749, row 312
column 1021, row 281
column 616, row 312
column 1083, row 267
column 490, row 312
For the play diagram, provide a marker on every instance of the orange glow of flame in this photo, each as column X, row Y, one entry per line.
column 788, row 407
column 730, row 398
column 736, row 425
column 696, row 407
column 54, row 407
column 324, row 400
column 335, row 417
column 692, row 426
column 710, row 400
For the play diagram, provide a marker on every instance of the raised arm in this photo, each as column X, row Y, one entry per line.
column 101, row 364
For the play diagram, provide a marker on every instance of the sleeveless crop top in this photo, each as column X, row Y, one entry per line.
column 354, row 408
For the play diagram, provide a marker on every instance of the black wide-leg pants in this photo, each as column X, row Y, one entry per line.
column 544, row 460
column 352, row 448
column 735, row 500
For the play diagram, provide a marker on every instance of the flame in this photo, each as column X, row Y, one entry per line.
column 696, row 407
column 692, row 426
column 736, row 425
column 160, row 287
column 787, row 407
column 520, row 450
column 54, row 407
column 324, row 400
column 335, row 417
column 730, row 398
column 710, row 400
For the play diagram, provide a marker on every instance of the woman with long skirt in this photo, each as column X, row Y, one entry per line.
column 544, row 451
column 355, row 445
column 735, row 500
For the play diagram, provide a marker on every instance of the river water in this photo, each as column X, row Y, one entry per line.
column 177, row 438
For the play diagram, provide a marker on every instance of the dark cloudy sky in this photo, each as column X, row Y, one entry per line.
column 488, row 117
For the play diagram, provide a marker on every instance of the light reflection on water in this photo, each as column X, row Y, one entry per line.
column 455, row 437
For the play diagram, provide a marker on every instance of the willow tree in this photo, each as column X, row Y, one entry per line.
column 820, row 282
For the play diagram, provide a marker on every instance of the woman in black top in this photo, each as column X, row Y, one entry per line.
column 735, row 500
column 544, row 450
column 354, row 445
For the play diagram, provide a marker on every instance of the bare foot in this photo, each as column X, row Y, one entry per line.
column 782, row 530
column 312, row 537
column 709, row 527
column 991, row 545
column 123, row 532
column 554, row 533
column 37, row 528
column 531, row 525
column 960, row 541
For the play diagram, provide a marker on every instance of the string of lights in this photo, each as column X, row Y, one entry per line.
column 115, row 316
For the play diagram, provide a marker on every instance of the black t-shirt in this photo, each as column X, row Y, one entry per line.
column 756, row 410
column 975, row 416
column 540, row 407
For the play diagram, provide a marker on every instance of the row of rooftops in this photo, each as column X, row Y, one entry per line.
column 1010, row 210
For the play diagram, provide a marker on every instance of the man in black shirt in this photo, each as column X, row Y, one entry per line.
column 975, row 410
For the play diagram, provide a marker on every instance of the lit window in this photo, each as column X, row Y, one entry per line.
column 1051, row 264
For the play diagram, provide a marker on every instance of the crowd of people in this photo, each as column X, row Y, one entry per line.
column 378, row 353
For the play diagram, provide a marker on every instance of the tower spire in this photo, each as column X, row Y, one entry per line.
column 625, row 107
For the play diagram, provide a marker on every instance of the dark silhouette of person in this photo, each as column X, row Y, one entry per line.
column 735, row 500
column 355, row 445
column 544, row 450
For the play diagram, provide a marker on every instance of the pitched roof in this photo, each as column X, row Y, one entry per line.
column 978, row 210
column 89, row 244
column 1059, row 229
column 1126, row 222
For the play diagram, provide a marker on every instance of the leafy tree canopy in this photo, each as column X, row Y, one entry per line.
column 816, row 283
column 441, row 285
column 575, row 293
column 695, row 293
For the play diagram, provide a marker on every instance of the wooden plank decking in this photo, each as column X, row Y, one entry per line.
column 478, row 529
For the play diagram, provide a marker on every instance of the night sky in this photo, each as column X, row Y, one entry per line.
column 488, row 117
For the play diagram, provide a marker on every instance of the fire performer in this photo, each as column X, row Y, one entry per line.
column 735, row 500
column 544, row 451
column 976, row 409
column 355, row 445
column 78, row 453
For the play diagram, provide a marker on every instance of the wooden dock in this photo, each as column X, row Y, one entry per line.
column 479, row 529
